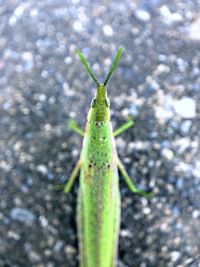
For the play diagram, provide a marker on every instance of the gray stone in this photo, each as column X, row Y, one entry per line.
column 23, row 215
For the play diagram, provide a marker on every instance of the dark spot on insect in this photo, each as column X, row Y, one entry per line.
column 90, row 157
column 104, row 164
column 108, row 165
column 107, row 103
column 104, row 154
column 93, row 103
column 90, row 165
column 98, row 124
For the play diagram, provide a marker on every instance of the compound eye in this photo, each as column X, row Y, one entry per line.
column 93, row 103
column 107, row 102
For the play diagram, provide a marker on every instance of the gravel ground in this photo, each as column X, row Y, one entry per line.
column 43, row 85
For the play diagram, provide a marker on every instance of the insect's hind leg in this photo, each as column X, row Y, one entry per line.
column 123, row 128
column 72, row 124
column 72, row 178
column 130, row 183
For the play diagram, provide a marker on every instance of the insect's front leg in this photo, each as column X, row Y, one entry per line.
column 123, row 128
column 130, row 183
column 74, row 126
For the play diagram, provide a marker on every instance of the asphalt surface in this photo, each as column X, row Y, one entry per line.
column 43, row 85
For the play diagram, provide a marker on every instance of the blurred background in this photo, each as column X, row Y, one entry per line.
column 43, row 85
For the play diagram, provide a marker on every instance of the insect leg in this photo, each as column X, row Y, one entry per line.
column 123, row 128
column 73, row 176
column 74, row 126
column 130, row 183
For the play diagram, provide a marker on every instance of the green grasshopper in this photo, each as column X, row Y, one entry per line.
column 98, row 208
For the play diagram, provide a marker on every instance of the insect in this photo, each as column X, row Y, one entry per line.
column 98, row 205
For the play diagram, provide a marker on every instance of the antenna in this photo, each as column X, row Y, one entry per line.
column 87, row 66
column 114, row 65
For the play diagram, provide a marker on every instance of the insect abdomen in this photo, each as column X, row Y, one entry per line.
column 99, row 201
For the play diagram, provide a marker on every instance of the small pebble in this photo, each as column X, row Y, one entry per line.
column 185, row 107
column 180, row 183
column 125, row 233
column 168, row 16
column 69, row 250
column 23, row 215
column 14, row 235
column 58, row 246
column 193, row 30
column 175, row 255
column 43, row 221
column 42, row 169
column 196, row 214
column 77, row 26
column 107, row 30
column 168, row 153
column 185, row 126
column 142, row 15
column 34, row 256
